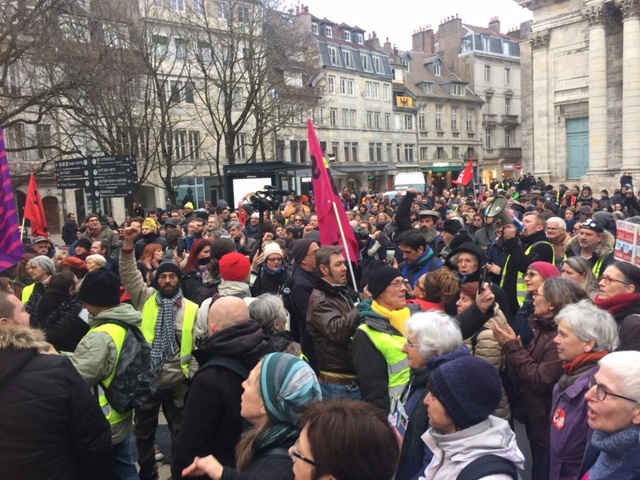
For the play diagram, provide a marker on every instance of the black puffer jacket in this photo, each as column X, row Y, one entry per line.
column 212, row 423
column 57, row 316
column 51, row 426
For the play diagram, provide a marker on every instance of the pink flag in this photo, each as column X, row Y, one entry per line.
column 11, row 251
column 328, row 202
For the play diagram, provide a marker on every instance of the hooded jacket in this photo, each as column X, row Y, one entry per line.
column 51, row 426
column 212, row 422
column 453, row 452
column 96, row 355
column 603, row 251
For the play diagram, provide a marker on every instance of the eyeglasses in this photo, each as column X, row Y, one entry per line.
column 398, row 283
column 607, row 280
column 531, row 274
column 274, row 260
column 295, row 454
column 413, row 345
column 602, row 392
column 297, row 220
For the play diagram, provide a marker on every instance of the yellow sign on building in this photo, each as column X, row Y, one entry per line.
column 404, row 101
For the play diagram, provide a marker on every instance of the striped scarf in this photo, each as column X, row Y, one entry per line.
column 165, row 343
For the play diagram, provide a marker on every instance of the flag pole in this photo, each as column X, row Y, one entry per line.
column 346, row 245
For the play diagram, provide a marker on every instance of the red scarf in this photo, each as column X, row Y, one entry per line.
column 584, row 359
column 617, row 302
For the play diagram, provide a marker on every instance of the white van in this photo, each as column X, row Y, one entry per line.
column 407, row 180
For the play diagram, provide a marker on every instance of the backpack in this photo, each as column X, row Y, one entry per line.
column 488, row 465
column 134, row 383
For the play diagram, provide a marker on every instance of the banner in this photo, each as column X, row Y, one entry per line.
column 34, row 211
column 466, row 175
column 328, row 202
column 11, row 251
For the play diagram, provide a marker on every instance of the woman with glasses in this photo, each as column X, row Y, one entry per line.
column 538, row 367
column 585, row 335
column 613, row 402
column 433, row 339
column 275, row 395
column 270, row 269
column 344, row 439
column 620, row 296
column 579, row 270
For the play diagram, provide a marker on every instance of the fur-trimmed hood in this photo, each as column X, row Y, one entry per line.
column 604, row 249
column 18, row 337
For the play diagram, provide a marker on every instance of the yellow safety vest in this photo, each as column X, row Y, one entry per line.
column 27, row 292
column 391, row 348
column 521, row 287
column 596, row 267
column 118, row 334
column 150, row 312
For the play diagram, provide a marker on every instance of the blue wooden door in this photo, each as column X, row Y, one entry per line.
column 577, row 147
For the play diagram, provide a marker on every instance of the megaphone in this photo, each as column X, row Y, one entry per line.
column 498, row 210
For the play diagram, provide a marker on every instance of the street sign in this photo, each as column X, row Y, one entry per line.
column 519, row 166
column 107, row 176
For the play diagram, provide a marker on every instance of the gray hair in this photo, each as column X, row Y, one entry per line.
column 436, row 333
column 99, row 259
column 561, row 223
column 45, row 262
column 589, row 322
column 625, row 366
column 234, row 224
column 268, row 311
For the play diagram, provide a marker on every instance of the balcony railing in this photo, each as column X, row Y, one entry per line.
column 511, row 153
column 510, row 120
column 489, row 119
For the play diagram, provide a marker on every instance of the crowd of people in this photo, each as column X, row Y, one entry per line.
column 274, row 356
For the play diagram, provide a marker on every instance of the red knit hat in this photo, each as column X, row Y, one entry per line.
column 545, row 269
column 234, row 267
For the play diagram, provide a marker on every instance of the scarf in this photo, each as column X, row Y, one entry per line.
column 615, row 449
column 276, row 435
column 165, row 343
column 617, row 302
column 268, row 271
column 397, row 317
column 576, row 368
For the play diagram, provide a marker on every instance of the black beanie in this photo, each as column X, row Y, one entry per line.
column 100, row 289
column 168, row 266
column 84, row 242
column 380, row 276
column 451, row 226
column 299, row 249
column 469, row 389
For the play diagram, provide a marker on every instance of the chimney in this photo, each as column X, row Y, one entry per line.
column 423, row 40
column 373, row 41
column 387, row 47
column 494, row 25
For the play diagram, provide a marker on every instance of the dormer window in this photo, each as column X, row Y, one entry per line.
column 486, row 43
column 346, row 35
column 457, row 90
column 407, row 64
column 328, row 31
column 314, row 28
column 359, row 39
column 427, row 87
column 377, row 65
column 436, row 69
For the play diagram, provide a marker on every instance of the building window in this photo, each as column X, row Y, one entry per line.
column 335, row 147
column 224, row 10
column 486, row 43
column 507, row 76
column 507, row 106
column 345, row 117
column 487, row 73
column 455, row 152
column 508, row 137
column 487, row 104
column 343, row 86
column 161, row 44
column 377, row 64
column 194, row 145
column 389, row 152
column 376, row 120
column 176, row 89
column 181, row 49
column 427, row 87
column 365, row 61
column 188, row 92
column 198, row 7
column 408, row 122
column 369, row 119
column 328, row 31
column 422, row 119
column 454, row 119
column 346, row 35
column 398, row 152
column 470, row 152
column 177, row 5
column 352, row 118
column 408, row 152
column 375, row 92
column 407, row 64
column 387, row 121
column 424, row 153
column 488, row 138
column 505, row 47
column 347, row 152
column 180, row 144
column 359, row 38
column 470, row 122
column 350, row 87
column 438, row 117
column 457, row 90
column 436, row 70
column 372, row 152
column 440, row 153
column 205, row 53
column 333, row 117
column 346, row 55
column 314, row 28
column 332, row 84
column 367, row 89
column 43, row 139
column 386, row 92
column 333, row 55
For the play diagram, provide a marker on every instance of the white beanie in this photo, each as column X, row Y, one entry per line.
column 270, row 248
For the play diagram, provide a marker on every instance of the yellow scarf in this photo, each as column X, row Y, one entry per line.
column 397, row 317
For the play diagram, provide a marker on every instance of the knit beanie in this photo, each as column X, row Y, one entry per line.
column 45, row 263
column 380, row 276
column 451, row 226
column 469, row 389
column 100, row 289
column 545, row 269
column 234, row 267
column 150, row 223
column 271, row 248
column 168, row 266
column 299, row 249
column 85, row 243
column 287, row 385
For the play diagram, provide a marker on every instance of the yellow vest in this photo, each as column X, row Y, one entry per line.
column 391, row 348
column 150, row 312
column 521, row 287
column 27, row 292
column 118, row 334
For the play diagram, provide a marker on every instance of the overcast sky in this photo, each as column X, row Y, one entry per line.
column 397, row 19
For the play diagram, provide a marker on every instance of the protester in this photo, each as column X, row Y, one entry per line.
column 579, row 270
column 435, row 289
column 41, row 269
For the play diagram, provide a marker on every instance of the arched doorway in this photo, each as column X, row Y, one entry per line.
column 52, row 213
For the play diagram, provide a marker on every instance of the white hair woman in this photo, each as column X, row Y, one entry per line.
column 96, row 262
column 433, row 339
column 614, row 415
column 585, row 335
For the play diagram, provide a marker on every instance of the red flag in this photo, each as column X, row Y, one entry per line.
column 328, row 202
column 34, row 211
column 242, row 214
column 466, row 175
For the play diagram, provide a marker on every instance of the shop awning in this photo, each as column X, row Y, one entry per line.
column 359, row 168
column 448, row 168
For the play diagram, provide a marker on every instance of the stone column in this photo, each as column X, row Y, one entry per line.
column 540, row 105
column 597, row 89
column 630, row 85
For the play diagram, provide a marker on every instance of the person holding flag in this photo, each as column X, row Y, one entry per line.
column 34, row 211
